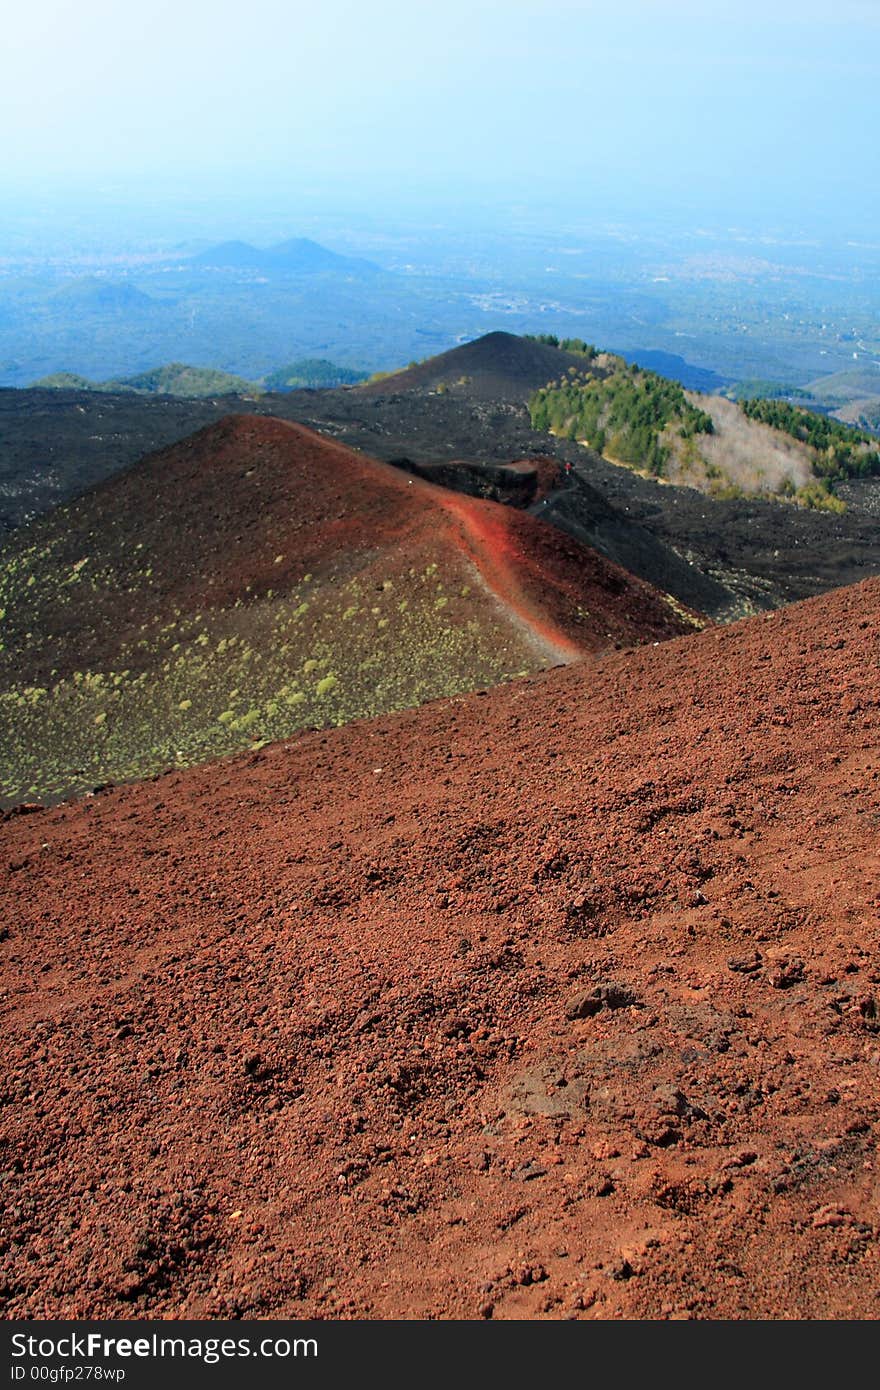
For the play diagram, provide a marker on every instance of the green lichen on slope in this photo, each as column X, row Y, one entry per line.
column 186, row 687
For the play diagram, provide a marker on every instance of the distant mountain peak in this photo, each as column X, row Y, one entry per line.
column 296, row 255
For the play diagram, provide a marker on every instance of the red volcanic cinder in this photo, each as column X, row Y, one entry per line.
column 559, row 1000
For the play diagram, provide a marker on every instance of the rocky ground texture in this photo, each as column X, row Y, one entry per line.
column 557, row 1001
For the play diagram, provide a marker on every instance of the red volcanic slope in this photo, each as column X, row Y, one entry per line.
column 213, row 514
column 556, row 1002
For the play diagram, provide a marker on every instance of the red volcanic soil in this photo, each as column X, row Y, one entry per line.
column 520, row 564
column 251, row 505
column 559, row 1001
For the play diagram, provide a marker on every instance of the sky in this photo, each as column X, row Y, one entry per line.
column 742, row 109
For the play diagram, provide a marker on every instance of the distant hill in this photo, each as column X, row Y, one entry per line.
column 853, row 396
column 864, row 414
column 195, row 383
column 65, row 381
column 306, row 256
column 258, row 578
column 231, row 255
column 498, row 366
column 92, row 295
column 855, row 383
column 297, row 256
column 313, row 373
column 174, row 379
column 177, row 379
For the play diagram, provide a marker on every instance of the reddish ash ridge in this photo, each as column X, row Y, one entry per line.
column 491, row 541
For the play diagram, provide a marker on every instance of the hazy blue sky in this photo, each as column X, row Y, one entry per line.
column 742, row 106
